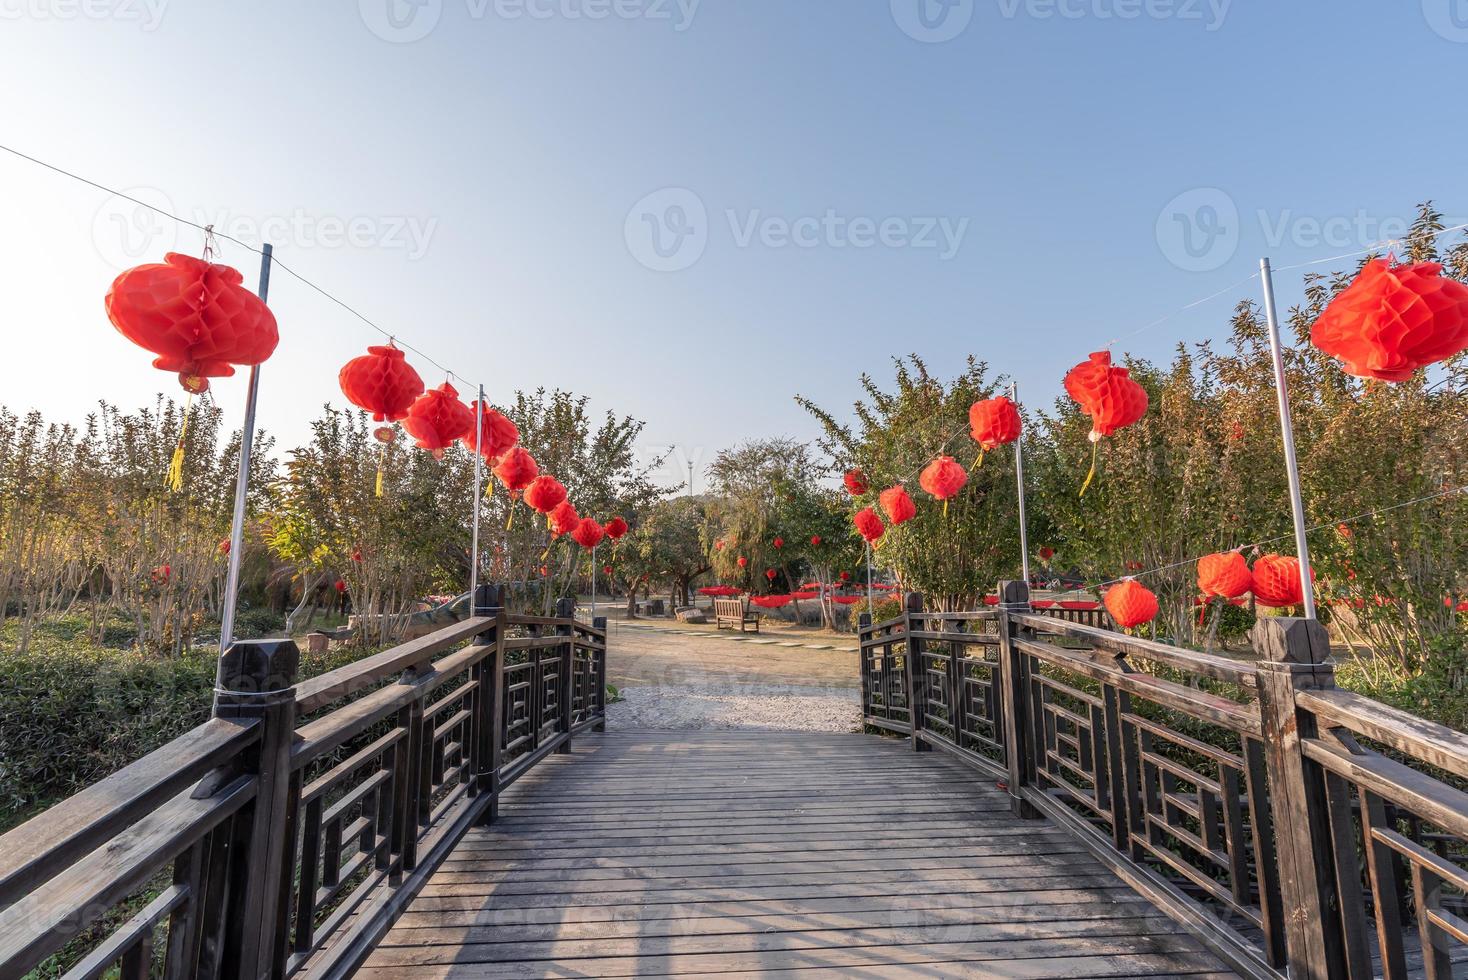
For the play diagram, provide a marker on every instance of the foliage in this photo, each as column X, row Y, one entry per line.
column 666, row 548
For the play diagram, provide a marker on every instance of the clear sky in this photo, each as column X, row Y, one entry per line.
column 690, row 211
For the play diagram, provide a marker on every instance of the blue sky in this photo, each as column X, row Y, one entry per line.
column 832, row 183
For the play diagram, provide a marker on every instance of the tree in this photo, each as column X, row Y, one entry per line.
column 667, row 547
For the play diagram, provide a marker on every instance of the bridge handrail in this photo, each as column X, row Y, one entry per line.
column 1293, row 825
column 286, row 833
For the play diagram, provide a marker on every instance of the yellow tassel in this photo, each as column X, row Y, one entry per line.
column 978, row 462
column 945, row 508
column 174, row 479
column 379, row 480
column 489, row 488
column 511, row 522
column 381, row 460
column 547, row 550
column 548, row 522
column 1091, row 475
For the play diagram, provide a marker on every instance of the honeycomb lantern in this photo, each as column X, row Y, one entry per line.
column 1394, row 319
column 1224, row 574
column 382, row 383
column 1130, row 603
column 897, row 505
column 1277, row 581
column 437, row 419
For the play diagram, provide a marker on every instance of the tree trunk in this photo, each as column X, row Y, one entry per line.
column 308, row 588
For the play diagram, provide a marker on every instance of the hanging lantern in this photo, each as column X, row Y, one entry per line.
column 742, row 562
column 815, row 540
column 1109, row 396
column 770, row 574
column 856, row 482
column 846, row 576
column 588, row 533
column 517, row 470
column 383, row 383
column 357, row 555
column 869, row 525
column 438, row 419
column 616, row 527
column 993, row 422
column 544, row 494
column 606, row 570
column 1393, row 320
column 942, row 478
column 497, row 434
column 897, row 505
column 1130, row 603
column 340, row 585
column 224, row 547
column 563, row 518
column 1047, row 553
column 779, row 543
column 1225, row 574
column 195, row 315
column 1277, row 581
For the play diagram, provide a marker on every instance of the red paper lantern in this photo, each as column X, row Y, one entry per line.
column 719, row 545
column 383, row 383
column 161, row 574
column 517, row 470
column 616, row 527
column 606, row 569
column 846, row 576
column 1106, row 393
column 224, row 547
column 340, row 585
column 497, row 434
column 195, row 315
column 588, row 533
column 1277, row 581
column 856, row 482
column 942, row 478
column 1131, row 603
column 742, row 562
column 897, row 505
column 815, row 540
column 1224, row 574
column 1393, row 320
column 563, row 518
column 993, row 422
column 544, row 494
column 1047, row 553
column 869, row 525
column 438, row 419
column 770, row 574
column 779, row 542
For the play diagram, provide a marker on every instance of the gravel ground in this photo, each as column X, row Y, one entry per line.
column 771, row 707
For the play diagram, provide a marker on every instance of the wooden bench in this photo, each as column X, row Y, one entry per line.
column 732, row 613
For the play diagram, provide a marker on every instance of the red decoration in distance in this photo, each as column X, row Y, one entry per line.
column 1393, row 320
column 1224, row 574
column 815, row 540
column 897, row 505
column 517, row 469
column 1106, row 393
column 616, row 527
column 544, row 494
column 438, row 419
column 224, row 547
column 195, row 315
column 382, row 382
column 606, row 569
column 770, row 574
column 770, row 601
column 743, row 562
column 1277, row 581
column 993, row 422
column 1047, row 553
column 856, row 482
column 869, row 525
column 846, row 576
column 588, row 533
column 340, row 585
column 1131, row 603
column 942, row 478
column 497, row 434
column 779, row 542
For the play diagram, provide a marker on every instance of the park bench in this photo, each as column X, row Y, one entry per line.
column 732, row 613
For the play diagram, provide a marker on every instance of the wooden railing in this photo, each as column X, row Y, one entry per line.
column 287, row 832
column 1293, row 825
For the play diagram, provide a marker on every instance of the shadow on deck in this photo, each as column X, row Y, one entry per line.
column 656, row 853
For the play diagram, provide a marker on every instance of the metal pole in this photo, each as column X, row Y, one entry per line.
column 241, row 482
column 1287, row 432
column 478, row 488
column 1019, row 476
column 690, row 479
column 869, row 579
column 593, row 581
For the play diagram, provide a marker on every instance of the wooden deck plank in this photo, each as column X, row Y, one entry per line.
column 769, row 854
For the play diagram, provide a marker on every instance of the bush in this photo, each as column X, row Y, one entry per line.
column 252, row 624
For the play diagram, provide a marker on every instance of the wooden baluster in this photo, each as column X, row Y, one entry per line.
column 1292, row 658
column 497, row 717
column 863, row 633
column 485, row 709
column 1014, row 706
column 566, row 695
column 257, row 680
column 599, row 674
column 915, row 673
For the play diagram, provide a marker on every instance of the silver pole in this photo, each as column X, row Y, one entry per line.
column 242, row 479
column 871, row 609
column 1019, row 476
column 690, row 479
column 1287, row 432
column 478, row 488
column 593, row 581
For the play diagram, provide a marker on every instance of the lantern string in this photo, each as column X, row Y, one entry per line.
column 1370, row 249
column 211, row 233
column 1264, row 541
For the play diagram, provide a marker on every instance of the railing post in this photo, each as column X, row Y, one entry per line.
column 1014, row 597
column 487, row 604
column 863, row 631
column 257, row 680
column 916, row 676
column 1292, row 654
column 599, row 676
column 566, row 697
column 494, row 718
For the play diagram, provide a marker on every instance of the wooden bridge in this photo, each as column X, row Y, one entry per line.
column 1053, row 799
